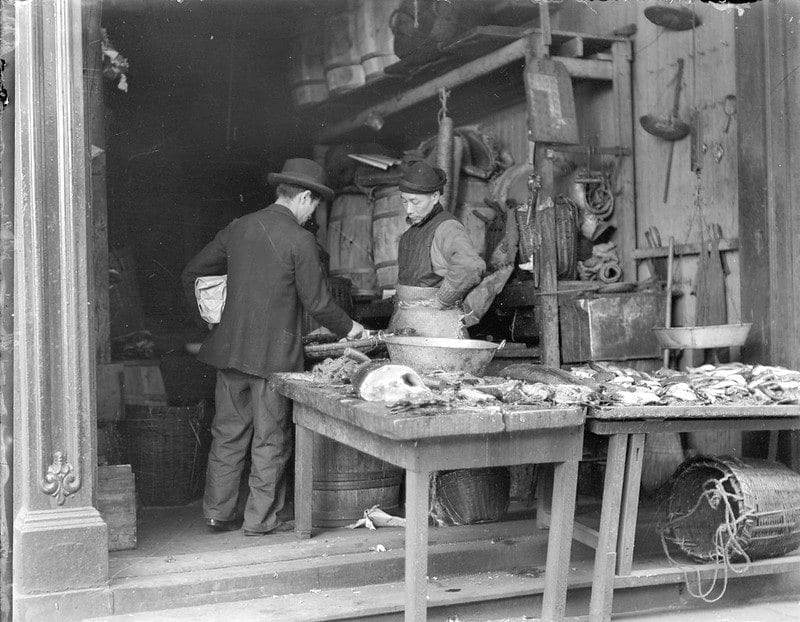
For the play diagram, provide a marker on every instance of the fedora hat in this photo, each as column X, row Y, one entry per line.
column 419, row 177
column 304, row 173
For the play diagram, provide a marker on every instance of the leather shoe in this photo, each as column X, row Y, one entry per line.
column 216, row 524
column 280, row 527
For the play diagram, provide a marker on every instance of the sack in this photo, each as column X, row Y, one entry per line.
column 210, row 292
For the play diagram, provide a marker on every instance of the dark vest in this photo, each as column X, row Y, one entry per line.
column 414, row 251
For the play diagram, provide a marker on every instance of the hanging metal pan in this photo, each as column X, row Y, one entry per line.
column 672, row 17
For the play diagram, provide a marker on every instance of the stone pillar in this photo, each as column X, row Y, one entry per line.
column 60, row 561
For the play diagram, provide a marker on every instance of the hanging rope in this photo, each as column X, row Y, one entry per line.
column 726, row 543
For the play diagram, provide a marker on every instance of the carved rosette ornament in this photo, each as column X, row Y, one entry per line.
column 60, row 482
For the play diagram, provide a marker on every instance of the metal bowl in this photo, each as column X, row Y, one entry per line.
column 702, row 337
column 427, row 354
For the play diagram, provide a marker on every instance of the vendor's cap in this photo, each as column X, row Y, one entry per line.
column 304, row 173
column 419, row 177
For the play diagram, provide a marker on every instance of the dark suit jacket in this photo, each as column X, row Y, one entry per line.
column 274, row 271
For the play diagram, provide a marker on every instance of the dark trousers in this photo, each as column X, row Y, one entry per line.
column 249, row 417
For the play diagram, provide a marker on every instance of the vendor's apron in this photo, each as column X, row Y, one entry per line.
column 410, row 312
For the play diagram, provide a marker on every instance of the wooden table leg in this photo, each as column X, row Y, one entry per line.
column 544, row 495
column 416, row 545
column 630, row 504
column 303, row 465
column 559, row 542
column 606, row 554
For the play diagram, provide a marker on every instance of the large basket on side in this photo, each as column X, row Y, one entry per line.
column 724, row 508
column 468, row 496
column 167, row 447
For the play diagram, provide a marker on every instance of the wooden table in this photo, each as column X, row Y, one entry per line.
column 423, row 441
column 626, row 428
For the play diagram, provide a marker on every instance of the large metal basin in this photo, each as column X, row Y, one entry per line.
column 427, row 354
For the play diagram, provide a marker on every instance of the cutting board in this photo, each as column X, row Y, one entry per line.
column 551, row 102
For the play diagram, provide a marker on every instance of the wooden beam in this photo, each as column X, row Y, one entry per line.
column 728, row 244
column 548, row 259
column 572, row 48
column 625, row 200
column 578, row 68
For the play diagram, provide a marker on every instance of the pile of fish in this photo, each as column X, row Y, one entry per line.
column 731, row 383
column 598, row 384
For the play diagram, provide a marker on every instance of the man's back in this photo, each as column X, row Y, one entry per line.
column 273, row 267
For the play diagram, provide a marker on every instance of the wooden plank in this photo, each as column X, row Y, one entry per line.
column 585, row 534
column 606, row 553
column 548, row 280
column 578, row 68
column 110, row 392
column 455, row 452
column 630, row 504
column 303, row 477
column 422, row 423
column 625, row 200
column 559, row 542
column 693, row 411
column 635, row 426
column 729, row 244
column 572, row 48
column 416, row 565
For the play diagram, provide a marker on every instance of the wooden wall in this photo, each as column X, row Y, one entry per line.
column 709, row 76
column 767, row 44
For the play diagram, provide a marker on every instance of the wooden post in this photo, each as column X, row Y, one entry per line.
column 625, row 200
column 96, row 144
column 548, row 276
column 60, row 542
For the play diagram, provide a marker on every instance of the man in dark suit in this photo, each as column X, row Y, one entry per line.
column 274, row 272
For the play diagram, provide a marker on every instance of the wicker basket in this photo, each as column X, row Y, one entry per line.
column 167, row 447
column 468, row 496
column 724, row 509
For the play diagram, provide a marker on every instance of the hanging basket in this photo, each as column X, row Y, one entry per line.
column 730, row 510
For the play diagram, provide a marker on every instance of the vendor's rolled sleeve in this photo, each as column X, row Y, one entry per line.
column 455, row 259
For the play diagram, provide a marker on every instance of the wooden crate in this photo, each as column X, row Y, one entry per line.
column 144, row 384
column 110, row 391
column 116, row 502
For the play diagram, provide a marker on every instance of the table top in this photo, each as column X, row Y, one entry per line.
column 693, row 411
column 341, row 403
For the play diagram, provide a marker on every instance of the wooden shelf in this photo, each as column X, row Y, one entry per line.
column 477, row 53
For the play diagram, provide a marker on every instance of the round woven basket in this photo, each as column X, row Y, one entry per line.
column 726, row 508
column 468, row 496
column 167, row 447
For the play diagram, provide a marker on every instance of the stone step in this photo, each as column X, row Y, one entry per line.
column 283, row 565
column 482, row 596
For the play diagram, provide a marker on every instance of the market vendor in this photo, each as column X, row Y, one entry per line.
column 437, row 262
column 274, row 273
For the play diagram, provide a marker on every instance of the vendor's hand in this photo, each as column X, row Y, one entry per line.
column 356, row 332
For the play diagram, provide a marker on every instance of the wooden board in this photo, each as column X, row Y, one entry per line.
column 692, row 411
column 419, row 423
column 110, row 392
column 116, row 502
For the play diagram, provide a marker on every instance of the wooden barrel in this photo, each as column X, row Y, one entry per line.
column 306, row 70
column 342, row 58
column 350, row 243
column 388, row 224
column 347, row 482
column 376, row 40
